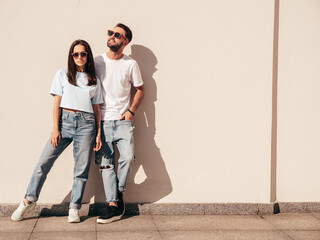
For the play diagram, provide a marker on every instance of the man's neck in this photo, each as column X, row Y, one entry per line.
column 114, row 55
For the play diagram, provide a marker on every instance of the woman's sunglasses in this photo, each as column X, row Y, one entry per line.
column 116, row 34
column 82, row 54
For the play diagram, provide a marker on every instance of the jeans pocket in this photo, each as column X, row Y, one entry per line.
column 127, row 122
column 64, row 116
column 89, row 117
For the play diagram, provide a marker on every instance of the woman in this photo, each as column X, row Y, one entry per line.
column 76, row 117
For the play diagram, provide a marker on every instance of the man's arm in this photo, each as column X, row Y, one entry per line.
column 137, row 99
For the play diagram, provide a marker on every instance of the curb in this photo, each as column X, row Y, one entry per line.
column 97, row 209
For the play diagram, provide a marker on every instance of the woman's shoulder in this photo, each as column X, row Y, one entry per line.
column 62, row 71
column 61, row 74
column 98, row 85
column 98, row 79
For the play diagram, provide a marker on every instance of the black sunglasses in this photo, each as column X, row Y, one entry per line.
column 116, row 34
column 82, row 54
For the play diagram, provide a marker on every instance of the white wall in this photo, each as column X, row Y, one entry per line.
column 203, row 132
column 299, row 101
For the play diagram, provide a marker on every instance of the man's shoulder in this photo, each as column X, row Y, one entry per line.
column 99, row 58
column 128, row 60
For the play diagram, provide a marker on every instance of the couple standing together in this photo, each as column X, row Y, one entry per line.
column 92, row 108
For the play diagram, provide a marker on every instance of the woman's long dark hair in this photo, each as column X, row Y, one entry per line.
column 89, row 67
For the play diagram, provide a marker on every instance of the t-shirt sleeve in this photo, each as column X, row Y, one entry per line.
column 97, row 98
column 56, row 88
column 136, row 75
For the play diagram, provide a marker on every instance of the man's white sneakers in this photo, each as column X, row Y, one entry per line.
column 73, row 216
column 23, row 208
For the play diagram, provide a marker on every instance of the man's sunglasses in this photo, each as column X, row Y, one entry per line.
column 116, row 34
column 77, row 54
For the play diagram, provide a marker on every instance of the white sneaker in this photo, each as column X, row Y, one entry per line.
column 73, row 216
column 17, row 215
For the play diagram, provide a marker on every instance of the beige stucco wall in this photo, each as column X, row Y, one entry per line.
column 299, row 101
column 203, row 132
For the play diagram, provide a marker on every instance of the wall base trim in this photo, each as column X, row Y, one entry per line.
column 96, row 209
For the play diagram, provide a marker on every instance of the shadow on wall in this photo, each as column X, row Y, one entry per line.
column 149, row 164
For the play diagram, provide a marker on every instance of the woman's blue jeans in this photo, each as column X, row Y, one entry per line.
column 81, row 129
column 119, row 132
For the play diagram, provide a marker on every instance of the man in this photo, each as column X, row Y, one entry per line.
column 117, row 73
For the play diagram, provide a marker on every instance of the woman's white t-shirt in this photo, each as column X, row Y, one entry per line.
column 79, row 97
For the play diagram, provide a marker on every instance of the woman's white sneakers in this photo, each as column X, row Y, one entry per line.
column 23, row 208
column 73, row 216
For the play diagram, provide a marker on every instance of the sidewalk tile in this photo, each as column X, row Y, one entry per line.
column 14, row 235
column 294, row 221
column 63, row 235
column 305, row 235
column 129, row 223
column 186, row 235
column 184, row 222
column 179, row 223
column 132, row 235
column 243, row 222
column 59, row 224
column 255, row 235
column 25, row 225
column 316, row 215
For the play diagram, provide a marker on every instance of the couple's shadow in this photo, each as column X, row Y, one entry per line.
column 149, row 180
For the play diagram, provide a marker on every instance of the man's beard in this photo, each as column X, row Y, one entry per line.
column 115, row 48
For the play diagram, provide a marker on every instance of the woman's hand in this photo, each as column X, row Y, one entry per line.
column 55, row 138
column 98, row 144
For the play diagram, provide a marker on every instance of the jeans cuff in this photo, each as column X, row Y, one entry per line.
column 31, row 198
column 111, row 200
column 74, row 206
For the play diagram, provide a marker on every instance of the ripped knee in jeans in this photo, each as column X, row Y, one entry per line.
column 109, row 166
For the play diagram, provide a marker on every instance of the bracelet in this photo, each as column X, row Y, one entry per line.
column 130, row 112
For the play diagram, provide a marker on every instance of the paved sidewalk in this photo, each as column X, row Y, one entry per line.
column 284, row 226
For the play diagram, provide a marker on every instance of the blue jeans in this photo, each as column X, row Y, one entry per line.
column 119, row 132
column 81, row 129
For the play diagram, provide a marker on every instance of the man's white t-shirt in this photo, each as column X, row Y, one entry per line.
column 116, row 77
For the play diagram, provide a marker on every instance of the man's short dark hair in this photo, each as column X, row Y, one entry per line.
column 126, row 29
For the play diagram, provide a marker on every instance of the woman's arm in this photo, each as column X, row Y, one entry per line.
column 55, row 137
column 97, row 115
